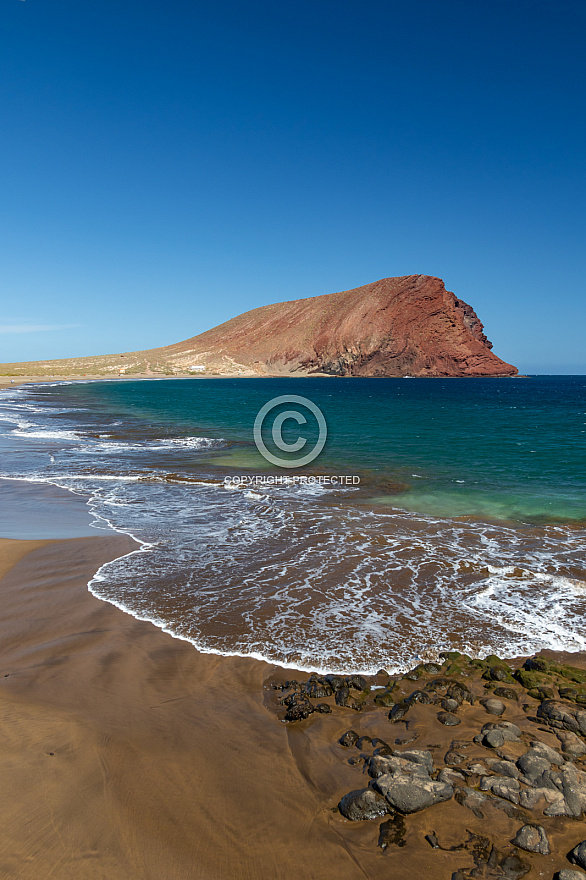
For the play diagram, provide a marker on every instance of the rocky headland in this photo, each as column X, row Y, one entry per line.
column 407, row 326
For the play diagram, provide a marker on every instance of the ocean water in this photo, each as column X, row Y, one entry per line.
column 460, row 523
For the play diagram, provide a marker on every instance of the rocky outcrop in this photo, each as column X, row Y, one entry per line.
column 394, row 327
column 408, row 326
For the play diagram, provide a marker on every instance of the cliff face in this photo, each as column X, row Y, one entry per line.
column 393, row 327
column 409, row 326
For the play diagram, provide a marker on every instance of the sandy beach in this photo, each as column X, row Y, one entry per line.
column 128, row 754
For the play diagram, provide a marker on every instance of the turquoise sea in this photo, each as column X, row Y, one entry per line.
column 439, row 514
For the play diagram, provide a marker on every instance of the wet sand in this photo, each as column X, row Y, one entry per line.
column 125, row 753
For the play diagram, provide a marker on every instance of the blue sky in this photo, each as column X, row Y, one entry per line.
column 165, row 166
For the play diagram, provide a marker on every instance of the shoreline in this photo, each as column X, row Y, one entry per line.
column 15, row 381
column 85, row 497
column 129, row 753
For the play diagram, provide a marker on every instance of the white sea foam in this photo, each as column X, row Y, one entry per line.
column 282, row 576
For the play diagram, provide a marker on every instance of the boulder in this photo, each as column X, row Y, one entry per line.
column 472, row 799
column 578, row 855
column 450, row 705
column 417, row 756
column 358, row 682
column 493, row 707
column 506, row 693
column 546, row 752
column 298, row 707
column 532, row 838
column 344, row 699
column 509, row 731
column 448, row 718
column 571, row 744
column 316, row 690
column 410, row 793
column 533, row 767
column 493, row 739
column 363, row 804
column 563, row 716
column 380, row 765
column 504, row 768
column 568, row 874
column 385, row 699
column 398, row 712
column 502, row 786
column 348, row 739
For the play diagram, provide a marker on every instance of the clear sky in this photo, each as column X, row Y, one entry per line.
column 167, row 165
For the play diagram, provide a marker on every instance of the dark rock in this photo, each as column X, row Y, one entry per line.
column 417, row 756
column 513, row 867
column 348, row 739
column 493, row 707
column 510, row 732
column 571, row 744
column 448, row 718
column 344, row 699
column 538, row 664
column 499, row 672
column 453, row 758
column 323, row 708
column 432, row 668
column 380, row 765
column 412, row 793
column 493, row 739
column 398, row 712
column 578, row 855
column 506, row 693
column 358, row 682
column 533, row 766
column 532, row 838
column 505, row 768
column 417, row 697
column 460, row 692
column 450, row 705
column 472, row 799
column 384, row 699
column 363, row 742
column 452, row 776
column 477, row 770
column 298, row 707
column 572, row 783
column 502, row 786
column 416, row 673
column 392, row 832
column 541, row 693
column 563, row 716
column 316, row 690
column 363, row 804
column 334, row 681
column 544, row 751
column 432, row 840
